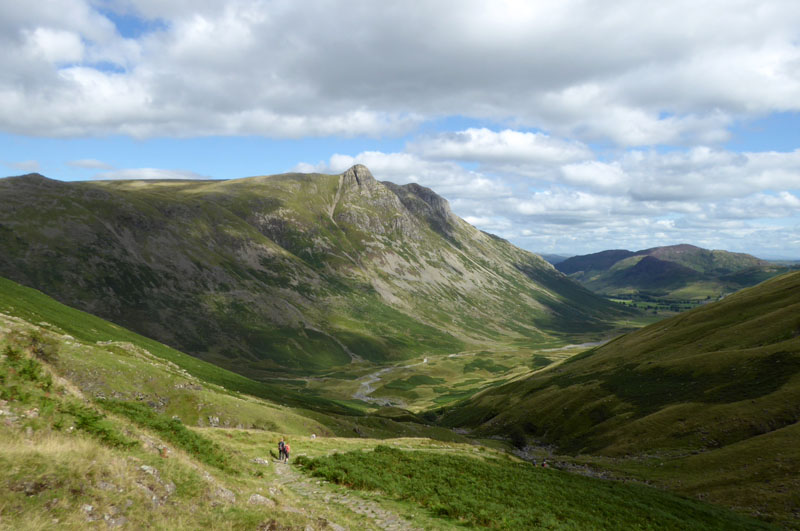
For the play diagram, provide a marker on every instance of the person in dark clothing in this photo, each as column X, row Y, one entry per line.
column 281, row 450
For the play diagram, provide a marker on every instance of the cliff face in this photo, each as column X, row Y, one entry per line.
column 288, row 272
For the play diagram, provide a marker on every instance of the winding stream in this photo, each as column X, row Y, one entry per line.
column 366, row 388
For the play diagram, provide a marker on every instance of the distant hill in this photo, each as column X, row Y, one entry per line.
column 677, row 271
column 593, row 262
column 293, row 272
column 554, row 258
column 718, row 384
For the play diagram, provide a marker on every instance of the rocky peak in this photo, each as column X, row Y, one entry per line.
column 358, row 176
column 426, row 204
column 437, row 204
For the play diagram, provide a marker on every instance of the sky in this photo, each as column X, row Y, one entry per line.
column 566, row 127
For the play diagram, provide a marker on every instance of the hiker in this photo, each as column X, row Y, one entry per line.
column 544, row 463
column 286, row 451
column 281, row 450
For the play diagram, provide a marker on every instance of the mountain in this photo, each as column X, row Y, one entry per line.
column 677, row 271
column 718, row 384
column 292, row 272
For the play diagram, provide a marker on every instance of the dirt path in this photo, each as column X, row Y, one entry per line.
column 313, row 489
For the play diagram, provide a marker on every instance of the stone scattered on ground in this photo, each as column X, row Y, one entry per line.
column 258, row 499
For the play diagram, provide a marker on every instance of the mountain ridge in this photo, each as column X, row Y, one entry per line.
column 292, row 272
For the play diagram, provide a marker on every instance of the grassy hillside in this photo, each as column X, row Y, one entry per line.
column 718, row 382
column 97, row 334
column 103, row 428
column 287, row 275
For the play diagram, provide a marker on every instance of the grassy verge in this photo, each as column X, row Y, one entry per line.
column 506, row 494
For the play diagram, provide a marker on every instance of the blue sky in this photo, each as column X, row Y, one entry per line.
column 567, row 127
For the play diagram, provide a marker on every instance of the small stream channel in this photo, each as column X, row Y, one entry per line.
column 366, row 388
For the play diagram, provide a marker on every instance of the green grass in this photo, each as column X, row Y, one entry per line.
column 412, row 382
column 94, row 423
column 745, row 348
column 65, row 464
column 482, row 364
column 538, row 361
column 171, row 430
column 34, row 306
column 716, row 380
column 505, row 494
column 24, row 381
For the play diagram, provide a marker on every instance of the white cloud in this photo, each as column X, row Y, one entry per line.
column 596, row 175
column 148, row 173
column 93, row 164
column 29, row 166
column 626, row 73
column 759, row 206
column 506, row 147
column 55, row 46
column 698, row 173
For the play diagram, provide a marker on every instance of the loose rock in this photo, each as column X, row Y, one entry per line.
column 258, row 499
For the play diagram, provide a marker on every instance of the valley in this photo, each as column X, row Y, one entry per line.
column 435, row 380
column 97, row 429
column 705, row 402
column 412, row 266
column 176, row 330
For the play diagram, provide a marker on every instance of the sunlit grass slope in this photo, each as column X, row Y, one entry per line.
column 33, row 306
column 109, row 362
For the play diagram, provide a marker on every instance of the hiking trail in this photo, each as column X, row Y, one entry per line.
column 313, row 489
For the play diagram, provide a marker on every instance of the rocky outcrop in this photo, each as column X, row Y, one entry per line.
column 372, row 206
column 428, row 205
column 360, row 178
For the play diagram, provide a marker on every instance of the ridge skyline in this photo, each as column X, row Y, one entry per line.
column 562, row 252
